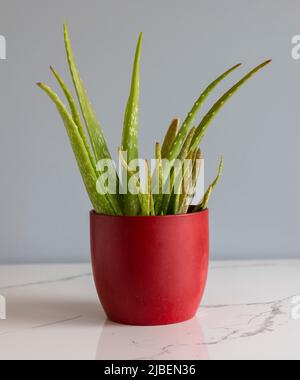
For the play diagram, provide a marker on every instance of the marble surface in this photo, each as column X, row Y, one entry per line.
column 250, row 311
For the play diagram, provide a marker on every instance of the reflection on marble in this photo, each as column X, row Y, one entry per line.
column 177, row 342
column 53, row 313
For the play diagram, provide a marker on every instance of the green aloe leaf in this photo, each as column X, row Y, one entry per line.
column 173, row 153
column 203, row 205
column 130, row 131
column 167, row 197
column 196, row 174
column 75, row 113
column 170, row 137
column 96, row 135
column 143, row 195
column 187, row 173
column 158, row 198
column 95, row 132
column 152, row 206
column 185, row 151
column 221, row 103
column 180, row 143
column 206, row 200
column 100, row 202
column 187, row 198
column 179, row 185
column 148, row 195
column 131, row 173
column 146, row 198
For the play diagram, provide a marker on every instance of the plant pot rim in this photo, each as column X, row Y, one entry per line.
column 94, row 214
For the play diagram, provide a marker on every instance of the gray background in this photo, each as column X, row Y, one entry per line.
column 255, row 210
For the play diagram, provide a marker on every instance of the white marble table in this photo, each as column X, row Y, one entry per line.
column 53, row 313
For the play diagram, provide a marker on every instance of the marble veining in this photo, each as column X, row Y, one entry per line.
column 246, row 314
column 66, row 279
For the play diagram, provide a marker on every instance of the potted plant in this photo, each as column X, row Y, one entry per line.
column 150, row 247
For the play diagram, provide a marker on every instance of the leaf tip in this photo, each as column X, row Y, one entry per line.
column 266, row 63
column 140, row 41
column 66, row 31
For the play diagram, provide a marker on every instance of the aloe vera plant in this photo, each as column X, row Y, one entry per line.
column 180, row 144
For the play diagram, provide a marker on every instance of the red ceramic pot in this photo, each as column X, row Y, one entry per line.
column 150, row 270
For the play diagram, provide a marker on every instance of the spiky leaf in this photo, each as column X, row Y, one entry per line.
column 204, row 203
column 170, row 137
column 100, row 202
column 221, row 103
column 130, row 131
column 75, row 113
column 96, row 135
column 193, row 113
